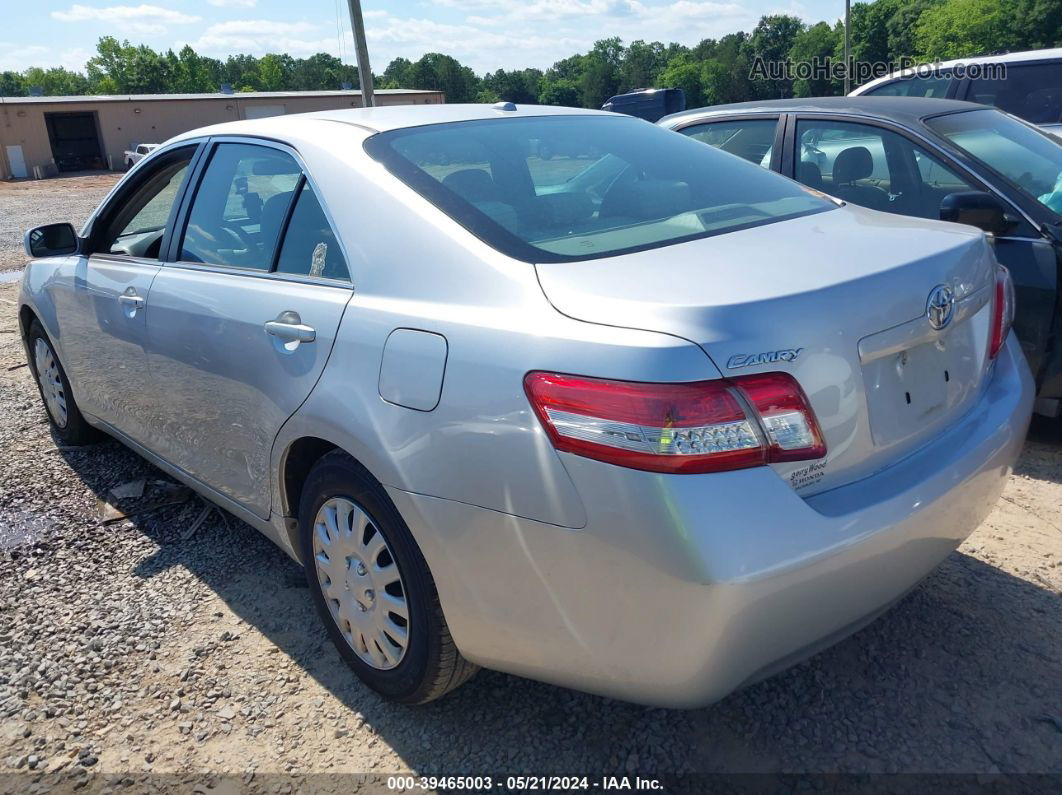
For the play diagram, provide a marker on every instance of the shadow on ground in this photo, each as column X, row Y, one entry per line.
column 957, row 678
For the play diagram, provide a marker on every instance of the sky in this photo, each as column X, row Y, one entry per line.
column 483, row 34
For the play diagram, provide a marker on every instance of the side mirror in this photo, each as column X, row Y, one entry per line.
column 977, row 208
column 53, row 240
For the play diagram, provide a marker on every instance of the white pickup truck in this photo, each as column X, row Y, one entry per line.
column 138, row 153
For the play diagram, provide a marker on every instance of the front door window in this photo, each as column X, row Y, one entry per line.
column 874, row 167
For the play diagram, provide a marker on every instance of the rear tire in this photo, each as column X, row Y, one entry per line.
column 354, row 545
column 65, row 417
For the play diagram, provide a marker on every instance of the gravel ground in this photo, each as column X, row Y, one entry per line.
column 28, row 203
column 165, row 645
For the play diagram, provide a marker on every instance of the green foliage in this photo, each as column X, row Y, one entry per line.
column 519, row 85
column 714, row 71
column 818, row 42
column 961, row 28
column 772, row 41
column 685, row 73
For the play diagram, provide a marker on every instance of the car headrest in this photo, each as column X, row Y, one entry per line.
column 647, row 199
column 272, row 218
column 852, row 164
column 472, row 184
column 810, row 174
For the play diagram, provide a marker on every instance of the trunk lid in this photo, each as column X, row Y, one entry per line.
column 839, row 300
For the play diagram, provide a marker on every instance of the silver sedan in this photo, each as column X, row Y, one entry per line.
column 637, row 417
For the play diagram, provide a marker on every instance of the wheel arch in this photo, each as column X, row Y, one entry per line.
column 26, row 316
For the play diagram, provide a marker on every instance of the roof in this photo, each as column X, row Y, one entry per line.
column 1008, row 58
column 229, row 97
column 903, row 109
column 390, row 117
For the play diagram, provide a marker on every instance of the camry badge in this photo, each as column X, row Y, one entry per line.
column 767, row 357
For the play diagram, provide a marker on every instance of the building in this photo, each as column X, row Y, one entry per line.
column 45, row 136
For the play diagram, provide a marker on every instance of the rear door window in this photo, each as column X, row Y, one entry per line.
column 751, row 139
column 310, row 247
column 1032, row 92
column 927, row 86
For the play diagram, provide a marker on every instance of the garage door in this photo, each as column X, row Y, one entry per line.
column 75, row 140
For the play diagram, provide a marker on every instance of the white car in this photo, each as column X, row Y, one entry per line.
column 1027, row 84
column 138, row 153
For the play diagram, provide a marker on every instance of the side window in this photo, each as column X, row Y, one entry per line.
column 137, row 223
column 1032, row 92
column 240, row 207
column 875, row 168
column 752, row 139
column 310, row 247
column 928, row 86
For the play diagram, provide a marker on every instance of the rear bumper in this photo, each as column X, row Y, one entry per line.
column 682, row 588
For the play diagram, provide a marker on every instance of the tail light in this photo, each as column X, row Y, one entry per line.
column 705, row 426
column 1002, row 311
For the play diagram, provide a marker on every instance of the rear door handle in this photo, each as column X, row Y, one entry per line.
column 130, row 298
column 289, row 327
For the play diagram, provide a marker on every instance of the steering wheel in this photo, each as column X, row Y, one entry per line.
column 241, row 233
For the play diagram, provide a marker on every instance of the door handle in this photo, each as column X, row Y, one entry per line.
column 131, row 299
column 289, row 327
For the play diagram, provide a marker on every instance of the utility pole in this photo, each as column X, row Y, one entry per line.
column 362, row 50
column 847, row 46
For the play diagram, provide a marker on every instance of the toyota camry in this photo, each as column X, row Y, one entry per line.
column 637, row 417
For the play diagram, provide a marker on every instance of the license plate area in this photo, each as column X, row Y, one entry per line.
column 914, row 389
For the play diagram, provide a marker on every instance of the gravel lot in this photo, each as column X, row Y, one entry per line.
column 29, row 203
column 159, row 645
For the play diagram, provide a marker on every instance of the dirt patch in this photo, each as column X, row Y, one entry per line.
column 172, row 644
column 28, row 203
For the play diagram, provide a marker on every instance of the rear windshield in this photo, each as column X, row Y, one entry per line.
column 560, row 188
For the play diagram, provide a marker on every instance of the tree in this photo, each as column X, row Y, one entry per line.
column 964, row 28
column 519, row 86
column 12, row 85
column 901, row 27
column 600, row 74
column 713, row 71
column 715, row 83
column 127, row 69
column 321, row 72
column 445, row 73
column 55, row 82
column 241, row 72
column 558, row 91
column 816, row 46
column 685, row 73
column 732, row 51
column 771, row 43
column 1038, row 24
column 192, row 73
column 398, row 74
column 641, row 65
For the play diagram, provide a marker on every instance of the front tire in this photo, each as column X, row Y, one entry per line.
column 372, row 587
column 65, row 417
